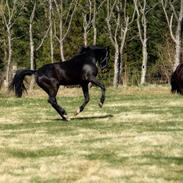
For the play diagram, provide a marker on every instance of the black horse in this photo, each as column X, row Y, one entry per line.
column 79, row 70
column 177, row 80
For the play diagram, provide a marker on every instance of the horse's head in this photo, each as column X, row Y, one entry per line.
column 101, row 54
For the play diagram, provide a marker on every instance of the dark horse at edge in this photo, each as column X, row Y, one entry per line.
column 177, row 80
column 79, row 70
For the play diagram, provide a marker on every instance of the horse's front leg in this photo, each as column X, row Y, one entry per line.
column 86, row 98
column 102, row 87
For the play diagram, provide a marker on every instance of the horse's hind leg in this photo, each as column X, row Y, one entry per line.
column 51, row 89
column 102, row 87
column 53, row 101
column 86, row 98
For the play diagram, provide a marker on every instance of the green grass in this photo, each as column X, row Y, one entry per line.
column 136, row 137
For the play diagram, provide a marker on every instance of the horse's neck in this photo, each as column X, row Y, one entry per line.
column 86, row 57
column 92, row 58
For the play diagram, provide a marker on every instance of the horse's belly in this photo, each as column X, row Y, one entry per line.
column 70, row 81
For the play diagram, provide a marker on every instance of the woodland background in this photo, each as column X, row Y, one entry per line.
column 144, row 36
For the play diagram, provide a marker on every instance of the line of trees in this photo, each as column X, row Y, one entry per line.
column 145, row 36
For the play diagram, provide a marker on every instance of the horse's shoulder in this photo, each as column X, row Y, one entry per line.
column 79, row 58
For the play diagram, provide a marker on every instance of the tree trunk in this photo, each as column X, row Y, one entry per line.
column 85, row 37
column 116, row 68
column 32, row 59
column 144, row 63
column 177, row 53
column 31, row 47
column 85, row 28
column 51, row 30
column 178, row 37
column 94, row 24
column 61, row 33
column 9, row 58
column 32, row 64
column 62, row 51
column 61, row 41
column 123, row 39
column 120, row 63
column 94, row 35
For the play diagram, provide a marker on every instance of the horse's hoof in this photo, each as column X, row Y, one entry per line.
column 77, row 112
column 100, row 104
column 66, row 118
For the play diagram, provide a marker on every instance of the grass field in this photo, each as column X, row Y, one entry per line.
column 136, row 137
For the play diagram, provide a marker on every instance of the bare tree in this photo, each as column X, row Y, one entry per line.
column 141, row 10
column 51, row 29
column 87, row 20
column 9, row 14
column 94, row 23
column 64, row 24
column 166, row 59
column 95, row 12
column 32, row 64
column 33, row 48
column 176, row 17
column 118, row 23
column 89, row 12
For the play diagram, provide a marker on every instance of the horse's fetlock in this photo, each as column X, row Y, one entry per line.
column 77, row 111
column 65, row 117
column 100, row 104
column 63, row 112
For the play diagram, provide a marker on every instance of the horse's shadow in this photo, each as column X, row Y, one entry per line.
column 81, row 118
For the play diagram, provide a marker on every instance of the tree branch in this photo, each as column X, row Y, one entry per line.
column 44, row 37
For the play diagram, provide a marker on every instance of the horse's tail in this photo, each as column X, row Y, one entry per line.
column 17, row 83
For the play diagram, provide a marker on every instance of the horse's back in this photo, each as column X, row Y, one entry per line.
column 71, row 72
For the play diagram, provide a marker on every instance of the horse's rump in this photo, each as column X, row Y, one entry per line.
column 177, row 80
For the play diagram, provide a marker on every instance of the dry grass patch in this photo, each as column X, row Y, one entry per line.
column 136, row 137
